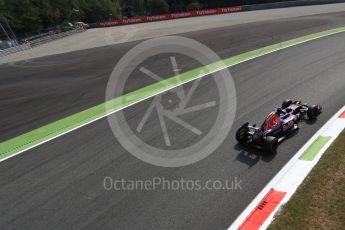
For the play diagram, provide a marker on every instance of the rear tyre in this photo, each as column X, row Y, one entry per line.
column 271, row 144
column 286, row 103
column 242, row 135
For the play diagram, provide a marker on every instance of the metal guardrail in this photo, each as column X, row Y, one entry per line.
column 275, row 5
column 14, row 49
column 40, row 40
column 37, row 41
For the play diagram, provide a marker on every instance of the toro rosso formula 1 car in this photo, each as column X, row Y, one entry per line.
column 278, row 125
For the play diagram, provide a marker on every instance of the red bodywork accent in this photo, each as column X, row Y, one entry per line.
column 272, row 121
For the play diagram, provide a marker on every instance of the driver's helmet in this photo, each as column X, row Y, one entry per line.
column 279, row 111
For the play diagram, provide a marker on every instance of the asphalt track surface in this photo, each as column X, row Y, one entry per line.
column 59, row 185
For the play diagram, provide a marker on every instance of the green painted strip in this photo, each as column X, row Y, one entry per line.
column 41, row 135
column 315, row 148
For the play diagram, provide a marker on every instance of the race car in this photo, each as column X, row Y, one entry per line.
column 278, row 125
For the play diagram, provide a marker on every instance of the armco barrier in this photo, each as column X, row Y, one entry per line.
column 14, row 49
column 45, row 38
column 162, row 17
column 275, row 5
column 225, row 10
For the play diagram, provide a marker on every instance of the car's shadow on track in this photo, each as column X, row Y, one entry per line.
column 310, row 122
column 252, row 156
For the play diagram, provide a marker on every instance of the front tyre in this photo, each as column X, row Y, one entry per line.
column 271, row 144
column 313, row 111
